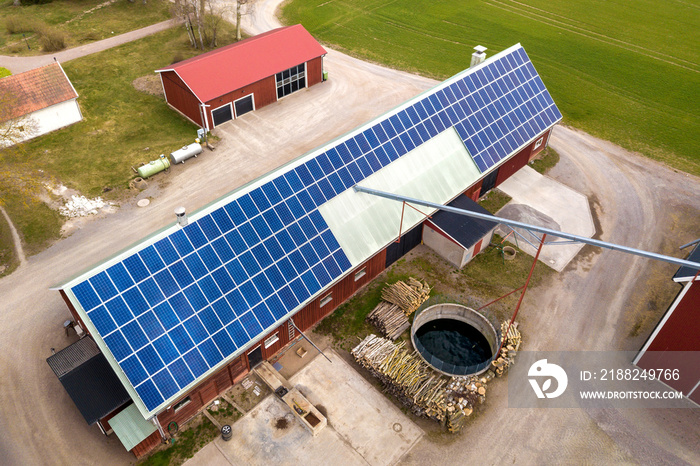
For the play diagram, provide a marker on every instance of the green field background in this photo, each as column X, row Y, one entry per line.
column 624, row 70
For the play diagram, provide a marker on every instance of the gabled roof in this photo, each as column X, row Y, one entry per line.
column 685, row 274
column 213, row 74
column 35, row 89
column 89, row 380
column 174, row 308
column 464, row 230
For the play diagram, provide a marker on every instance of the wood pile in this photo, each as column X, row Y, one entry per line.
column 389, row 319
column 408, row 296
column 511, row 344
column 426, row 392
column 400, row 300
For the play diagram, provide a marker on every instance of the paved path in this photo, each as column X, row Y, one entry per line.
column 21, row 64
column 15, row 238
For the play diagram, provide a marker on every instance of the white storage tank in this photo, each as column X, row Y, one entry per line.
column 180, row 155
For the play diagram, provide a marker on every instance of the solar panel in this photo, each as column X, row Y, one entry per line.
column 175, row 309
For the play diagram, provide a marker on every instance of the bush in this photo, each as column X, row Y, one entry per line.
column 176, row 58
column 4, row 72
column 52, row 40
column 35, row 2
column 17, row 24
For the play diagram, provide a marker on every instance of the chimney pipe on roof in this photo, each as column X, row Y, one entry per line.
column 181, row 215
column 479, row 56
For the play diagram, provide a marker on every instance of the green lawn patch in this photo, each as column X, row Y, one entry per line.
column 494, row 200
column 22, row 27
column 119, row 122
column 545, row 161
column 628, row 73
column 4, row 72
column 37, row 224
column 187, row 443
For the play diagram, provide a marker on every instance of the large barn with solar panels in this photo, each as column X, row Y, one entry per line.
column 186, row 313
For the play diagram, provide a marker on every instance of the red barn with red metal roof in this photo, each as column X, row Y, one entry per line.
column 228, row 82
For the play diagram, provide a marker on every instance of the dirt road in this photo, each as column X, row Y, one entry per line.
column 589, row 306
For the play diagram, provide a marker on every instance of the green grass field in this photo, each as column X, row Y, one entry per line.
column 121, row 127
column 76, row 21
column 625, row 70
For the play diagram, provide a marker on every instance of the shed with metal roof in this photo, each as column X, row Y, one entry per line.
column 455, row 237
column 218, row 86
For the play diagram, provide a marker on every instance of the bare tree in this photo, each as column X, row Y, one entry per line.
column 243, row 7
column 14, row 128
column 203, row 19
column 16, row 176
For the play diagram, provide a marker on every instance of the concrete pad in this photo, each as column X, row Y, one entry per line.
column 357, row 411
column 363, row 426
column 542, row 201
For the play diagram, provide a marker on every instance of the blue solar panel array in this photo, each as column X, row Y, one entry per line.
column 180, row 306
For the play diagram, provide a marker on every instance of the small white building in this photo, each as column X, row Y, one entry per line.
column 37, row 102
column 458, row 238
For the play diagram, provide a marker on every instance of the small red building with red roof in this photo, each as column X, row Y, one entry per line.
column 218, row 86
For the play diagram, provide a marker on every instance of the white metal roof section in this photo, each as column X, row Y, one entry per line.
column 438, row 170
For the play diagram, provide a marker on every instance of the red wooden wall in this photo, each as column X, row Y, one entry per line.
column 178, row 95
column 519, row 160
column 679, row 333
column 314, row 71
column 264, row 93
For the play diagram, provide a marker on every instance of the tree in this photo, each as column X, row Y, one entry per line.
column 243, row 7
column 202, row 20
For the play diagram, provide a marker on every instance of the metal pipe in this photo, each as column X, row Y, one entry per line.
column 526, row 226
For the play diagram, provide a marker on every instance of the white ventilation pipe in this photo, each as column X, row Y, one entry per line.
column 181, row 215
column 479, row 56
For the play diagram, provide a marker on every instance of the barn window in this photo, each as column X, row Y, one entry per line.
column 326, row 299
column 291, row 80
column 538, row 143
column 181, row 404
column 271, row 341
column 360, row 274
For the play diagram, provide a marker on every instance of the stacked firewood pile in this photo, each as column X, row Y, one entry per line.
column 426, row 392
column 400, row 300
column 389, row 319
column 509, row 349
column 408, row 296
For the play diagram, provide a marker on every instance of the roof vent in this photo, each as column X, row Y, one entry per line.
column 181, row 215
column 479, row 56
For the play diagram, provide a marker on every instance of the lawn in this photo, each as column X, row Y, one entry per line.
column 628, row 72
column 121, row 127
column 75, row 20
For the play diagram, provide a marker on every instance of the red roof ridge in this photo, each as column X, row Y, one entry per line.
column 226, row 48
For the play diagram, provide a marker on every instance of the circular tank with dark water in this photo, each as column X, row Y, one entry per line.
column 454, row 339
